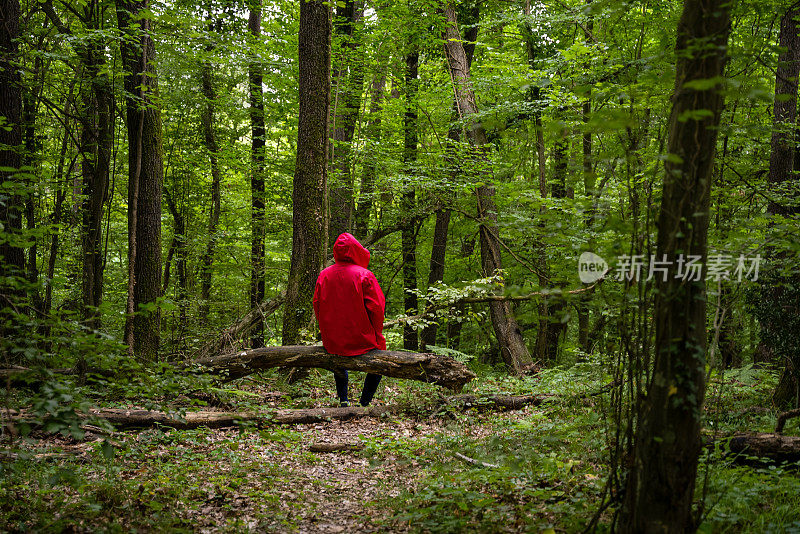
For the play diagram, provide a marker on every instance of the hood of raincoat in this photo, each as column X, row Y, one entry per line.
column 347, row 249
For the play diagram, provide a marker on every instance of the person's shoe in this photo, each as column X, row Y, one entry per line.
column 344, row 404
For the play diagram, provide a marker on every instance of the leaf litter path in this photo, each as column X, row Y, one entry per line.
column 331, row 492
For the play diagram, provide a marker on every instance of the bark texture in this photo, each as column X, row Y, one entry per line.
column 12, row 257
column 258, row 228
column 784, row 136
column 346, row 96
column 408, row 234
column 96, row 143
column 661, row 480
column 780, row 291
column 765, row 445
column 509, row 336
column 424, row 367
column 210, row 140
column 179, row 249
column 371, row 157
column 230, row 337
column 145, row 178
column 309, row 225
column 439, row 248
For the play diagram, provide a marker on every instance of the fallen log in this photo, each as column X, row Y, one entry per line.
column 765, row 445
column 228, row 338
column 123, row 418
column 134, row 418
column 496, row 402
column 425, row 367
column 335, row 447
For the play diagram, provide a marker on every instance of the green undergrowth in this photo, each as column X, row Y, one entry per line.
column 540, row 469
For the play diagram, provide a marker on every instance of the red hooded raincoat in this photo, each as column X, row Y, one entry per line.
column 348, row 301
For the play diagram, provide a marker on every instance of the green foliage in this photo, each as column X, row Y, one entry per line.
column 541, row 68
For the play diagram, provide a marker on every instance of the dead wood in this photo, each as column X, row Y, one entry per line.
column 495, row 402
column 227, row 339
column 764, row 445
column 785, row 416
column 473, row 461
column 137, row 418
column 122, row 418
column 335, row 447
column 425, row 367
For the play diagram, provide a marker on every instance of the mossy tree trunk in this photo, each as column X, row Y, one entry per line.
column 145, row 178
column 258, row 142
column 661, row 480
column 409, row 207
column 309, row 223
column 509, row 336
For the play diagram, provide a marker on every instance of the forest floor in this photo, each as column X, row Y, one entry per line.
column 547, row 472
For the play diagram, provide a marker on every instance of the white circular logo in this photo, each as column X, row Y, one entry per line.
column 591, row 267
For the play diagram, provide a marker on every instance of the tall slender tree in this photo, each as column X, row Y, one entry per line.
column 409, row 234
column 509, row 335
column 369, row 171
column 309, row 225
column 661, row 480
column 12, row 255
column 780, row 299
column 210, row 139
column 347, row 80
column 442, row 224
column 258, row 229
column 96, row 142
column 145, row 178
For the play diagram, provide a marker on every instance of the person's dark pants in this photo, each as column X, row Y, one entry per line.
column 370, row 386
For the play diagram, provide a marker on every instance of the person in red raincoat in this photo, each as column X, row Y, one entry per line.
column 349, row 306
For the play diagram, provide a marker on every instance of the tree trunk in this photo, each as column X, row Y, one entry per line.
column 765, row 445
column 210, row 139
column 370, row 159
column 729, row 350
column 12, row 257
column 409, row 236
column 588, row 192
column 784, row 141
column 439, row 249
column 145, row 177
column 100, row 113
column 181, row 256
column 661, row 480
column 229, row 338
column 258, row 227
column 436, row 273
column 31, row 160
column 533, row 97
column 309, row 225
column 58, row 213
column 551, row 309
column 781, row 292
column 509, row 336
column 96, row 144
column 346, row 95
column 432, row 368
